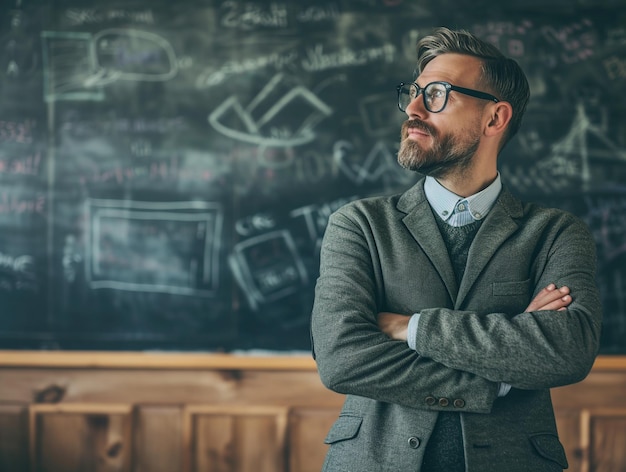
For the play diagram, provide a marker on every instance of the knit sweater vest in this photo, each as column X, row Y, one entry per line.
column 444, row 452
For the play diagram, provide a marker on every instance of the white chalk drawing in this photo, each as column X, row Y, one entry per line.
column 575, row 144
column 78, row 65
column 69, row 60
column 570, row 159
column 274, row 118
column 167, row 247
column 375, row 112
column 268, row 267
column 379, row 163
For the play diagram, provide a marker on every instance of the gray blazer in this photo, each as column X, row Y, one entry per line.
column 386, row 254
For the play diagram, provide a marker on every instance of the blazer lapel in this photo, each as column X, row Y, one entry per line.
column 421, row 223
column 498, row 226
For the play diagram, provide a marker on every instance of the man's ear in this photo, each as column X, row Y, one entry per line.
column 499, row 117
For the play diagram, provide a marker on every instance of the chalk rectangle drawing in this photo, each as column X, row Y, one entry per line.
column 69, row 67
column 167, row 247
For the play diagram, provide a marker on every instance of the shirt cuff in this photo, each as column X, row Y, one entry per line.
column 411, row 335
column 504, row 389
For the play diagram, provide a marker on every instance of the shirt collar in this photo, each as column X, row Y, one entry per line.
column 444, row 202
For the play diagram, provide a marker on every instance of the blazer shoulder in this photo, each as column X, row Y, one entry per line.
column 367, row 208
column 402, row 202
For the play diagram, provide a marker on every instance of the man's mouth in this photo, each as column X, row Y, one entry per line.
column 417, row 133
column 416, row 130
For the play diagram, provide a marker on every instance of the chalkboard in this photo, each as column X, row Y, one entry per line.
column 167, row 169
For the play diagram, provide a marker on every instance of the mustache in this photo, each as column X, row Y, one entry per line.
column 419, row 125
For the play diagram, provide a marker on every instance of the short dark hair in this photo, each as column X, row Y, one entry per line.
column 502, row 76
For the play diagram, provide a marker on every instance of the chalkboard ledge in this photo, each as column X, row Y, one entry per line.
column 245, row 360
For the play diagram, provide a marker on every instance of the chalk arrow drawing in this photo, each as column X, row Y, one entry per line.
column 266, row 121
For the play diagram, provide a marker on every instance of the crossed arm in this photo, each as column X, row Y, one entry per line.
column 550, row 298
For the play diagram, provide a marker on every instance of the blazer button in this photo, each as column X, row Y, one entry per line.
column 459, row 403
column 430, row 401
column 414, row 442
column 444, row 402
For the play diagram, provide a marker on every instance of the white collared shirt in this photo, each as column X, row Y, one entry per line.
column 460, row 211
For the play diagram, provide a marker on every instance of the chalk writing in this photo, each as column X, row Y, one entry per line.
column 317, row 59
column 248, row 16
column 82, row 127
column 17, row 131
column 318, row 13
column 10, row 203
column 260, row 222
column 576, row 40
column 508, row 36
column 78, row 17
column 16, row 264
column 27, row 165
column 17, row 273
column 316, row 216
column 209, row 78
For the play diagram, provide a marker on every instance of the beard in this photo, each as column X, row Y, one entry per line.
column 448, row 153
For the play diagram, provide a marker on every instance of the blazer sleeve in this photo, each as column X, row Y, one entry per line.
column 352, row 354
column 541, row 349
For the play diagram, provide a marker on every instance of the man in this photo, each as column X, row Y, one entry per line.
column 445, row 313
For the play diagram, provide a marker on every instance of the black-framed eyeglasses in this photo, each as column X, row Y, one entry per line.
column 435, row 95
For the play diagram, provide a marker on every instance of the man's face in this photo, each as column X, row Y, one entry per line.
column 436, row 143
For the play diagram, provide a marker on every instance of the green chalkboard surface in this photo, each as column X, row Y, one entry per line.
column 167, row 169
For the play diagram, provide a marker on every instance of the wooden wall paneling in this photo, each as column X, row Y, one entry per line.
column 80, row 438
column 570, row 428
column 154, row 386
column 307, row 429
column 607, row 440
column 234, row 438
column 157, row 438
column 14, row 437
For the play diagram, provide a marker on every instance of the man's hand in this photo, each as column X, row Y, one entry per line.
column 394, row 325
column 551, row 298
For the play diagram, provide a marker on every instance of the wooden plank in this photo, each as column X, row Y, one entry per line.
column 158, row 439
column 14, row 437
column 599, row 390
column 235, row 439
column 182, row 360
column 167, row 386
column 608, row 440
column 80, row 437
column 307, row 429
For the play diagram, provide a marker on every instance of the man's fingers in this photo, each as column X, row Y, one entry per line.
column 550, row 298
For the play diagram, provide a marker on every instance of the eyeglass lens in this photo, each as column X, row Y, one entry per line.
column 435, row 96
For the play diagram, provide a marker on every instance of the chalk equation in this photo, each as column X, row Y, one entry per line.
column 166, row 247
